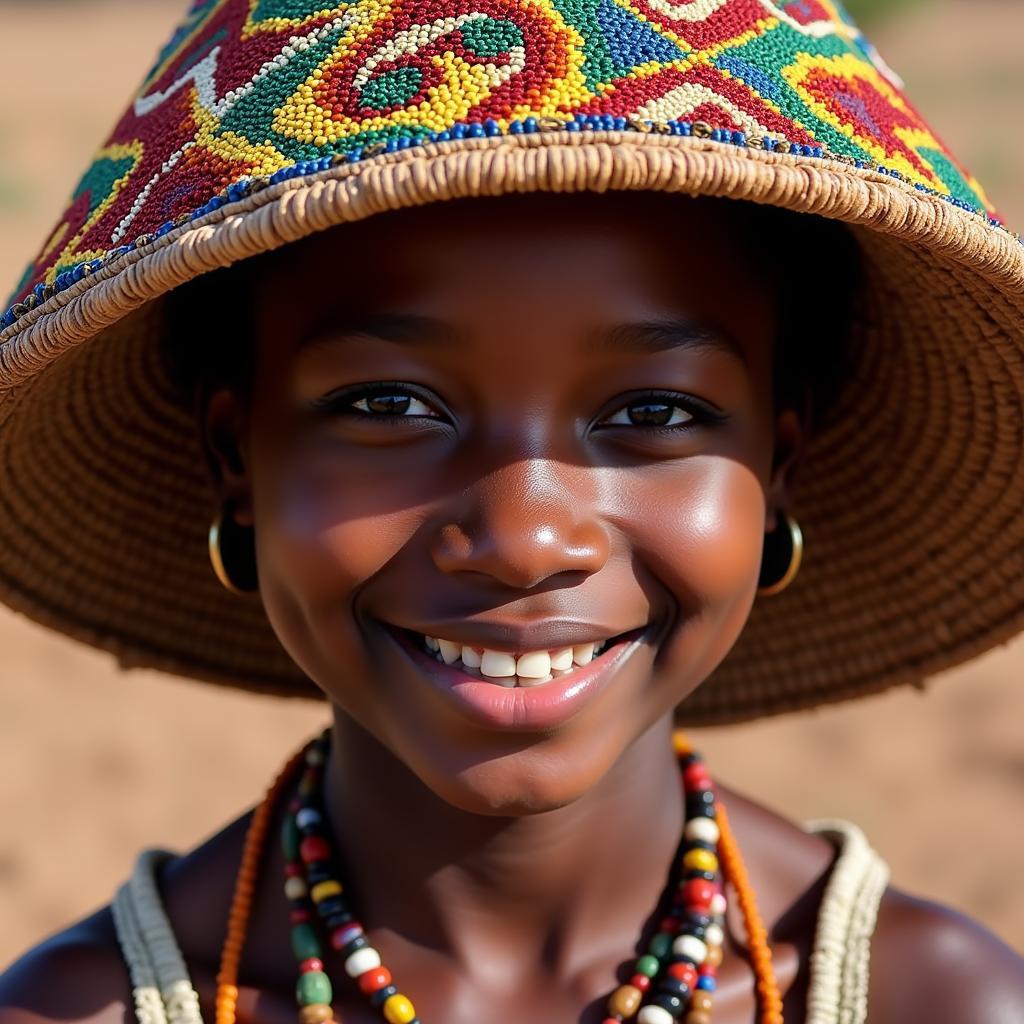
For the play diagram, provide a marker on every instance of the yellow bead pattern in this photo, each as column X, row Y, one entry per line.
column 322, row 890
column 398, row 1009
column 700, row 860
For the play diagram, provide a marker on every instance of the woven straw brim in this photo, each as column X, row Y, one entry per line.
column 909, row 498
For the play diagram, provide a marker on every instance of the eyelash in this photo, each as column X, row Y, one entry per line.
column 344, row 403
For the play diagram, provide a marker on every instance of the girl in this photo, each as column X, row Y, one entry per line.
column 511, row 428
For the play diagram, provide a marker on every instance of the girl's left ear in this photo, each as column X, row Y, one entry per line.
column 223, row 434
column 790, row 438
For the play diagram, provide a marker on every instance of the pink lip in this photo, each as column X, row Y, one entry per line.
column 520, row 709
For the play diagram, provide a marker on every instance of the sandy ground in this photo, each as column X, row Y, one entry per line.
column 96, row 765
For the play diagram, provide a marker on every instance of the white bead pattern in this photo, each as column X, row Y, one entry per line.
column 704, row 830
column 162, row 989
column 691, row 946
column 362, row 960
column 652, row 1014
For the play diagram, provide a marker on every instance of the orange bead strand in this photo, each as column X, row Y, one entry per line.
column 226, row 1005
column 733, row 868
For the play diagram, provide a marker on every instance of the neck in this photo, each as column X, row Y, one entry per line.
column 552, row 891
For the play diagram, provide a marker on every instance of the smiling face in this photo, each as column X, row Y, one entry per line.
column 482, row 437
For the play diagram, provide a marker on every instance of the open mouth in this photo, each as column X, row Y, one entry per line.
column 512, row 668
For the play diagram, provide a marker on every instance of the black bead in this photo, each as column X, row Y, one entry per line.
column 359, row 942
column 331, row 906
column 679, row 958
column 695, row 919
column 691, row 758
column 674, row 987
column 688, row 928
column 707, row 876
column 337, row 920
column 378, row 998
column 673, row 1004
column 699, row 806
column 318, row 872
column 701, row 844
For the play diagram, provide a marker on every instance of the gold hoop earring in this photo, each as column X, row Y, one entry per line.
column 783, row 553
column 224, row 529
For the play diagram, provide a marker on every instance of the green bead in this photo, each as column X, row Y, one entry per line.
column 305, row 944
column 313, row 987
column 648, row 965
column 660, row 944
column 290, row 838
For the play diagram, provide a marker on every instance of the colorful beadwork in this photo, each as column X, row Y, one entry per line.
column 250, row 93
column 674, row 976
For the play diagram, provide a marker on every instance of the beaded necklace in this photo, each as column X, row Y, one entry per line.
column 675, row 976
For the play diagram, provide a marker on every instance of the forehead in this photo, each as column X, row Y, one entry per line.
column 568, row 264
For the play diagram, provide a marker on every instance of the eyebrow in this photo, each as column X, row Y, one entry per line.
column 661, row 334
column 666, row 333
column 400, row 328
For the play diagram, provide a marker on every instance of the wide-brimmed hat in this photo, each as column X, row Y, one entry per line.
column 263, row 121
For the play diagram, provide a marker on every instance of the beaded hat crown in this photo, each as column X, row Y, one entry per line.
column 262, row 121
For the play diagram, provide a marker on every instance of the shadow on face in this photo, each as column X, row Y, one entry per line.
column 517, row 425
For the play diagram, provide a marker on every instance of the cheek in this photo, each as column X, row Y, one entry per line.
column 704, row 543
column 320, row 537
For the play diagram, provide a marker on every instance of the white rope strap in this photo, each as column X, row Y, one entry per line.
column 149, row 1004
column 151, row 950
column 838, row 992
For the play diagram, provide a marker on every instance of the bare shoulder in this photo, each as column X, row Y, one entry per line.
column 77, row 975
column 929, row 962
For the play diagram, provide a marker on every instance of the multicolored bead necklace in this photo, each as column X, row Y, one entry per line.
column 674, row 977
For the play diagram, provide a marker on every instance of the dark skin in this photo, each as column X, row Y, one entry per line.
column 526, row 485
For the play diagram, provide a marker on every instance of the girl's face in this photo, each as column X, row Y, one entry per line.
column 516, row 425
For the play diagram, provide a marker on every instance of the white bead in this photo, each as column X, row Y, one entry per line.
column 361, row 961
column 691, row 946
column 654, row 1015
column 718, row 904
column 713, row 935
column 295, row 888
column 702, row 829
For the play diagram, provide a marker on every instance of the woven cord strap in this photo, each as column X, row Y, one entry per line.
column 161, row 987
column 838, row 991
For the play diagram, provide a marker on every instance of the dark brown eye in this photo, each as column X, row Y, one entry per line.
column 392, row 404
column 651, row 413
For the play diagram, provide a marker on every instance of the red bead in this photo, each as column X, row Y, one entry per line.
column 640, row 981
column 669, row 924
column 707, row 970
column 612, row 1020
column 300, row 916
column 698, row 891
column 370, row 981
column 696, row 776
column 342, row 936
column 314, row 848
column 684, row 972
column 292, row 870
column 312, row 964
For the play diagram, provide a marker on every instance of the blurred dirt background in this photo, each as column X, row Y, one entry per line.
column 95, row 765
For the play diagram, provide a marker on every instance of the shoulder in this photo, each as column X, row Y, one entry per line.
column 929, row 962
column 77, row 975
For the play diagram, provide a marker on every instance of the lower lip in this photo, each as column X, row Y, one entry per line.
column 521, row 708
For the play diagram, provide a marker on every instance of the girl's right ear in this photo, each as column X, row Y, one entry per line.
column 223, row 425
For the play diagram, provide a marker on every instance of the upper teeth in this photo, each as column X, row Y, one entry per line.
column 526, row 669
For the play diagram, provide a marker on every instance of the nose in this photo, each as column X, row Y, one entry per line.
column 523, row 524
